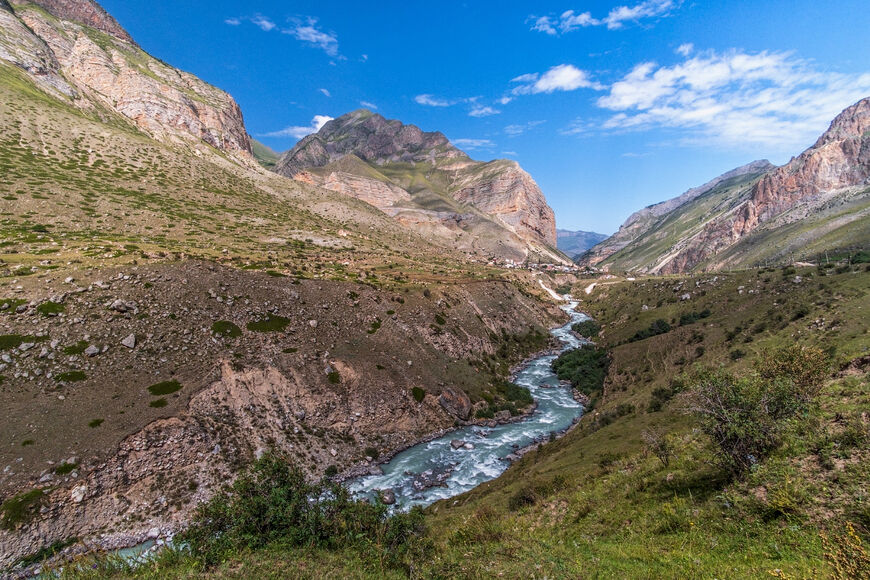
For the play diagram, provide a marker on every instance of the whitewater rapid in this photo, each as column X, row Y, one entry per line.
column 485, row 458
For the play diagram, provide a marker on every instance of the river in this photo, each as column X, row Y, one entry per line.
column 409, row 474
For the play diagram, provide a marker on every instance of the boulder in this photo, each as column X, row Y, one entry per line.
column 455, row 402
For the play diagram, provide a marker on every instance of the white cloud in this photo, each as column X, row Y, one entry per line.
column 685, row 49
column 369, row 105
column 732, row 98
column 510, row 153
column 308, row 32
column 515, row 130
column 483, row 111
column 505, row 100
column 317, row 123
column 570, row 21
column 232, row 21
column 474, row 143
column 564, row 77
column 263, row 23
column 325, row 92
column 432, row 101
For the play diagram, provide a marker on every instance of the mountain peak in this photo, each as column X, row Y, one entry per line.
column 85, row 12
column 371, row 137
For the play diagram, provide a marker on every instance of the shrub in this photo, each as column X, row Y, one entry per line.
column 587, row 328
column 20, row 508
column 659, row 326
column 50, row 308
column 95, row 423
column 418, row 394
column 745, row 416
column 333, row 377
column 70, row 377
column 164, row 388
column 585, row 367
column 658, row 443
column 271, row 502
column 372, row 452
column 269, row 324
column 226, row 329
column 331, row 471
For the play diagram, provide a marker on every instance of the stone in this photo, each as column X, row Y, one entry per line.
column 456, row 402
column 78, row 493
column 333, row 452
column 457, row 443
column 129, row 342
column 388, row 496
column 92, row 350
column 312, row 323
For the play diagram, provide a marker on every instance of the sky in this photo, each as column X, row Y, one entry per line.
column 610, row 106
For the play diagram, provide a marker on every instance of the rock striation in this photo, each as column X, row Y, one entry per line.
column 426, row 183
column 75, row 50
column 744, row 221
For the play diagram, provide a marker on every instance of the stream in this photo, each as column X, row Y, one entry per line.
column 439, row 469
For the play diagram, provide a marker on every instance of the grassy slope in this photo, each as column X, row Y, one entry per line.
column 594, row 504
column 264, row 154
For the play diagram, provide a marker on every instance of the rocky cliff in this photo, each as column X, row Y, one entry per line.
column 428, row 184
column 758, row 214
column 74, row 50
column 644, row 220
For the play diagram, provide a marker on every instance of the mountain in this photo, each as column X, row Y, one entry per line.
column 758, row 215
column 575, row 243
column 422, row 180
column 264, row 155
column 77, row 52
column 170, row 308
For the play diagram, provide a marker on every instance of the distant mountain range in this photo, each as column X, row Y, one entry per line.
column 757, row 214
column 575, row 243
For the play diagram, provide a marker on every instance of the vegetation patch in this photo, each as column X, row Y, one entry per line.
column 77, row 348
column 9, row 305
column 50, row 308
column 10, row 341
column 269, row 324
column 158, row 403
column 375, row 326
column 95, row 423
column 585, row 368
column 587, row 328
column 226, row 329
column 334, row 377
column 20, row 509
column 659, row 326
column 71, row 377
column 164, row 388
column 418, row 393
column 66, row 468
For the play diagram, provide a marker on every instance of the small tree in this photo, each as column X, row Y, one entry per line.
column 658, row 443
column 745, row 416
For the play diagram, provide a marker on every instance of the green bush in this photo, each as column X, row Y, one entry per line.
column 418, row 394
column 657, row 327
column 587, row 328
column 164, row 388
column 585, row 367
column 269, row 324
column 70, row 377
column 50, row 308
column 271, row 503
column 226, row 329
column 745, row 416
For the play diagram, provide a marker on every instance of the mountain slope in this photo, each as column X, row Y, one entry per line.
column 491, row 209
column 643, row 221
column 74, row 49
column 818, row 201
column 575, row 243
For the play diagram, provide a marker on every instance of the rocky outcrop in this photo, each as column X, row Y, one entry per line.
column 366, row 156
column 504, row 190
column 80, row 52
column 370, row 137
column 646, row 219
column 85, row 12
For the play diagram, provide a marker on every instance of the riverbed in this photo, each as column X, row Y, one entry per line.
column 442, row 468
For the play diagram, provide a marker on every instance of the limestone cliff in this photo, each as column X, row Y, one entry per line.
column 77, row 51
column 428, row 184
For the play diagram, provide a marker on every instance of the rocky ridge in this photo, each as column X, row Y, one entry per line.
column 76, row 51
column 424, row 181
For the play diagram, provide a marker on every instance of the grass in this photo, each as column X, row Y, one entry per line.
column 11, row 341
column 50, row 308
column 71, row 377
column 77, row 348
column 158, row 403
column 66, row 468
column 269, row 324
column 164, row 388
column 20, row 509
column 95, row 423
column 226, row 329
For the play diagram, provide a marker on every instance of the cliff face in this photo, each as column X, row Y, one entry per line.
column 75, row 50
column 819, row 200
column 645, row 220
column 426, row 183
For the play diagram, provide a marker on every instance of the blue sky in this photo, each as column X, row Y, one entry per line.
column 611, row 106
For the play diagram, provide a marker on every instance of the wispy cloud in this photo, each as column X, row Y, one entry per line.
column 317, row 123
column 732, row 98
column 307, row 31
column 516, row 130
column 564, row 77
column 303, row 29
column 369, row 105
column 685, row 49
column 325, row 92
column 483, row 111
column 473, row 143
column 432, row 101
column 263, row 23
column 570, row 20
